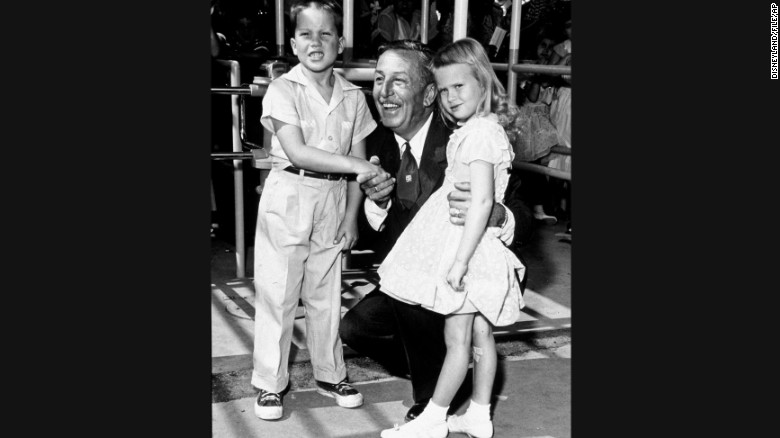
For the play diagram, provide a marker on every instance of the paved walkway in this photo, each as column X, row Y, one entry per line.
column 532, row 390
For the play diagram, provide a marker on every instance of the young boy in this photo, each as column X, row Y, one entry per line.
column 308, row 209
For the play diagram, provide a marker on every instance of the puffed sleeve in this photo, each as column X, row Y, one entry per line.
column 364, row 122
column 487, row 143
column 279, row 103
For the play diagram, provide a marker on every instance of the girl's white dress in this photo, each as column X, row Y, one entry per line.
column 415, row 270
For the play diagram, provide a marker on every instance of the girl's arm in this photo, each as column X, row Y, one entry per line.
column 476, row 220
column 348, row 228
column 314, row 159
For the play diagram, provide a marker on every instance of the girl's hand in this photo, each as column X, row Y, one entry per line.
column 348, row 230
column 455, row 276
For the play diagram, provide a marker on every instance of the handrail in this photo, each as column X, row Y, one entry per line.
column 544, row 170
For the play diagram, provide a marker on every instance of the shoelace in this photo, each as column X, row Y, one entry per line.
column 270, row 396
column 343, row 386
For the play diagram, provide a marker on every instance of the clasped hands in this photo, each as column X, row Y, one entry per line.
column 378, row 186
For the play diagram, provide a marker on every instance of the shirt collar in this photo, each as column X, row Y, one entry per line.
column 340, row 85
column 417, row 143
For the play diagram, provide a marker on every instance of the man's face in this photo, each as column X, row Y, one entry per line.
column 316, row 41
column 400, row 96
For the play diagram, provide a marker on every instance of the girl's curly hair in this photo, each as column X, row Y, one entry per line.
column 469, row 51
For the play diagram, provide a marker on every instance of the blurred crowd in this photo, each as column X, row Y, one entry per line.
column 245, row 29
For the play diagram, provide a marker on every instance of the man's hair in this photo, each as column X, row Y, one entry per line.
column 328, row 5
column 421, row 53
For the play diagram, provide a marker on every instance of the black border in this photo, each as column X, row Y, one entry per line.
column 107, row 172
column 109, row 201
column 675, row 118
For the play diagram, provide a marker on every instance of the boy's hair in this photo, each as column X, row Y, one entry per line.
column 421, row 53
column 328, row 5
column 469, row 51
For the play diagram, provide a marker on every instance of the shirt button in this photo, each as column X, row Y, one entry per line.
column 330, row 137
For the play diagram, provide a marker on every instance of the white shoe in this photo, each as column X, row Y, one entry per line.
column 417, row 428
column 471, row 427
column 268, row 405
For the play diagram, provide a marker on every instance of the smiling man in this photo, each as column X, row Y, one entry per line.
column 410, row 144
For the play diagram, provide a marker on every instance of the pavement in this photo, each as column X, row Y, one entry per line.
column 532, row 393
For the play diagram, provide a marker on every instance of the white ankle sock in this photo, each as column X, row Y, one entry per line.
column 434, row 413
column 477, row 410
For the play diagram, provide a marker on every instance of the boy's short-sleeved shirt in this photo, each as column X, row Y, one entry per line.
column 332, row 127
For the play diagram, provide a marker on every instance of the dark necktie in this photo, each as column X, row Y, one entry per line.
column 408, row 179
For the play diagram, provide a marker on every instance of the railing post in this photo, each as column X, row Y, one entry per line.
column 349, row 29
column 279, row 27
column 459, row 19
column 514, row 46
column 425, row 12
column 238, row 172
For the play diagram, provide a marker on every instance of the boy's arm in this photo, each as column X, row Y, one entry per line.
column 476, row 220
column 348, row 228
column 312, row 158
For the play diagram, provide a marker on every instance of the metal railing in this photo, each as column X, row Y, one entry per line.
column 364, row 71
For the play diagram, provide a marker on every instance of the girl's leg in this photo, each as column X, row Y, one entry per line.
column 476, row 420
column 485, row 360
column 457, row 337
column 431, row 423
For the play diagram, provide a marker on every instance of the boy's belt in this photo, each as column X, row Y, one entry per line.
column 310, row 174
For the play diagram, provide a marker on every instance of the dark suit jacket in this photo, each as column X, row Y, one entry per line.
column 433, row 162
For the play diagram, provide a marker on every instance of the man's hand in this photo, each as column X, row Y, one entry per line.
column 460, row 201
column 376, row 185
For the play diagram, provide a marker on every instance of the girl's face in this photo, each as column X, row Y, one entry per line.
column 459, row 91
column 544, row 49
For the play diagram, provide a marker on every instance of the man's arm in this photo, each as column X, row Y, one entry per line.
column 514, row 217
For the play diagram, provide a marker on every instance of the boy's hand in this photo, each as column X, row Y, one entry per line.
column 455, row 276
column 348, row 231
column 377, row 185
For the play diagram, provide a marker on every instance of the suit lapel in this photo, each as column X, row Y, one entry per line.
column 434, row 157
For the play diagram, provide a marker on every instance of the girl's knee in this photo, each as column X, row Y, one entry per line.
column 457, row 331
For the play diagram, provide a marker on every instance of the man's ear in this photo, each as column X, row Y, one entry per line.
column 294, row 49
column 430, row 94
column 341, row 44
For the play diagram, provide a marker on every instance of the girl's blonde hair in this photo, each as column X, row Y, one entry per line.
column 469, row 51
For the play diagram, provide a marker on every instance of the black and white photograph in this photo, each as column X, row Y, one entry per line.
column 391, row 218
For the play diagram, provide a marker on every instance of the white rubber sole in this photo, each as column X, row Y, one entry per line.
column 268, row 413
column 345, row 402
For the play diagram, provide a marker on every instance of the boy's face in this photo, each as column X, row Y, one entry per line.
column 316, row 42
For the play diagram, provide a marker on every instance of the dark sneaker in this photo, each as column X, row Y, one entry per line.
column 268, row 405
column 346, row 396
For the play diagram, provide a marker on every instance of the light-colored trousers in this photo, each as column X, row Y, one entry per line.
column 295, row 258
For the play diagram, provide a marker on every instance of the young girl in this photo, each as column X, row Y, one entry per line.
column 464, row 272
